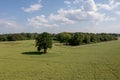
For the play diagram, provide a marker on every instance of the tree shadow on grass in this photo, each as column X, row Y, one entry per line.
column 33, row 53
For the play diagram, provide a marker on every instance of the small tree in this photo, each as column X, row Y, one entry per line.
column 44, row 41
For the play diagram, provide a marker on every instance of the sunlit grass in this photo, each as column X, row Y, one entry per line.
column 20, row 61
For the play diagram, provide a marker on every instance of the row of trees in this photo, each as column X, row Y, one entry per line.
column 17, row 36
column 44, row 40
column 83, row 38
column 63, row 37
column 114, row 34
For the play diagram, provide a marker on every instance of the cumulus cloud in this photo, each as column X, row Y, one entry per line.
column 77, row 15
column 104, row 6
column 112, row 4
column 60, row 19
column 40, row 21
column 77, row 1
column 33, row 7
column 89, row 5
column 88, row 11
column 67, row 2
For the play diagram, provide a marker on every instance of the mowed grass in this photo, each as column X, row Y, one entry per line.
column 100, row 61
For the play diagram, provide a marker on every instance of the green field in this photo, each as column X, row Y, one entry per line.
column 100, row 61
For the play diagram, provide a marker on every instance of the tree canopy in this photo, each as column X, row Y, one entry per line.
column 44, row 41
column 84, row 38
column 64, row 37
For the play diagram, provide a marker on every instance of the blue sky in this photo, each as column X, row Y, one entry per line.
column 59, row 15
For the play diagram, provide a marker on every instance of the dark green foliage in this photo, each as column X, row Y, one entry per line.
column 3, row 38
column 114, row 34
column 63, row 37
column 18, row 36
column 11, row 38
column 84, row 38
column 95, row 38
column 44, row 41
column 76, row 39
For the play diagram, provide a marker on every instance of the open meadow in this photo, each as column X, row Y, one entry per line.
column 20, row 61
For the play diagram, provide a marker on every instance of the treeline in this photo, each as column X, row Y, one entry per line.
column 17, row 36
column 83, row 38
column 114, row 34
column 77, row 38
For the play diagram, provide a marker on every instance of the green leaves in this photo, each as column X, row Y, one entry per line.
column 44, row 41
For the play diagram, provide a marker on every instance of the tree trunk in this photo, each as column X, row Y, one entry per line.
column 39, row 49
column 45, row 51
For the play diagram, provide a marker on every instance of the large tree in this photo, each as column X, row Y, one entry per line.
column 44, row 41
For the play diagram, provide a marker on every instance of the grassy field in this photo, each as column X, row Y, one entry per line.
column 100, row 61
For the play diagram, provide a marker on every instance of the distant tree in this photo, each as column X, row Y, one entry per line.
column 44, row 41
column 86, row 39
column 11, row 38
column 64, row 37
column 94, row 38
column 3, row 38
column 76, row 39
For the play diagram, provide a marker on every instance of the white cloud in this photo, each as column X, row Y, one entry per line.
column 89, row 5
column 10, row 26
column 78, row 15
column 41, row 18
column 112, row 4
column 40, row 21
column 77, row 1
column 67, row 2
column 32, row 8
column 88, row 12
column 117, row 12
column 104, row 6
column 8, row 23
column 60, row 19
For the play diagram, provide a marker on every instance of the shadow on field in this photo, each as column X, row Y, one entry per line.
column 33, row 53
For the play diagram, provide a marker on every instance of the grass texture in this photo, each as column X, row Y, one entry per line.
column 20, row 61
